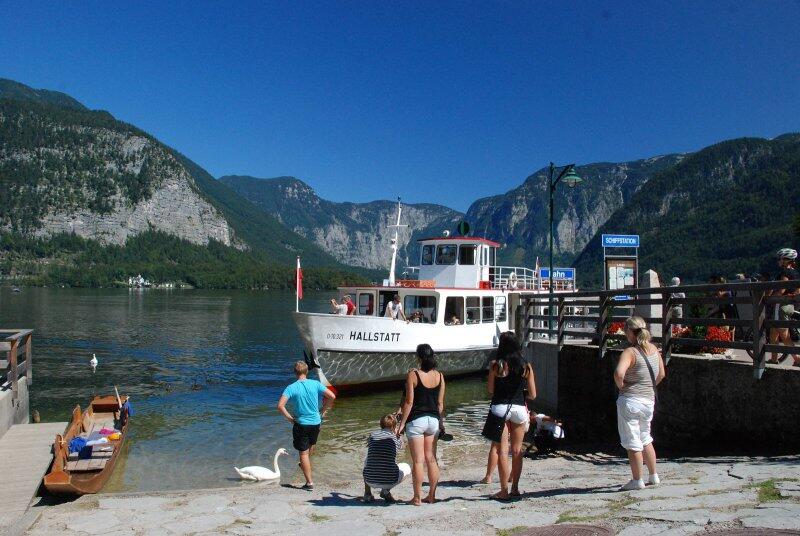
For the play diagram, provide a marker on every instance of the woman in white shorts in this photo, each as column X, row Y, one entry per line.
column 510, row 376
column 636, row 402
column 422, row 409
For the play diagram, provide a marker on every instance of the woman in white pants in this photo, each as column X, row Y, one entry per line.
column 510, row 379
column 636, row 401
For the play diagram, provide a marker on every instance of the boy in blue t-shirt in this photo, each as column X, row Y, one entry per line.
column 306, row 417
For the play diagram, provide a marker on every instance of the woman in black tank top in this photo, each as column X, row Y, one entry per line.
column 511, row 378
column 422, row 411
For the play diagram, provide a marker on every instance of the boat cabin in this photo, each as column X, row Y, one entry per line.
column 461, row 262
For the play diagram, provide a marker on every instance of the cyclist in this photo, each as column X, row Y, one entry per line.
column 787, row 259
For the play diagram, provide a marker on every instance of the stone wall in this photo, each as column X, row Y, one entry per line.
column 703, row 402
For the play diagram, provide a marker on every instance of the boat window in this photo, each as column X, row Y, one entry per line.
column 424, row 305
column 492, row 256
column 366, row 304
column 427, row 254
column 485, row 256
column 473, row 309
column 384, row 297
column 466, row 254
column 500, row 309
column 488, row 309
column 454, row 311
column 446, row 254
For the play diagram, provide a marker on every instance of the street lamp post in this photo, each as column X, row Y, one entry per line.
column 572, row 180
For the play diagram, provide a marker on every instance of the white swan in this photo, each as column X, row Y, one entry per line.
column 93, row 363
column 256, row 472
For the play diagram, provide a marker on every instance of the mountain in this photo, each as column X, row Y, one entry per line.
column 519, row 218
column 68, row 170
column 357, row 234
column 9, row 89
column 725, row 209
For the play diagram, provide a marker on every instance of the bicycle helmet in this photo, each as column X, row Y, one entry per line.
column 787, row 253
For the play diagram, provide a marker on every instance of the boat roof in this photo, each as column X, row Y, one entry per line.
column 461, row 239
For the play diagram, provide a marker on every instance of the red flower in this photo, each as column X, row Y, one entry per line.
column 717, row 333
column 616, row 327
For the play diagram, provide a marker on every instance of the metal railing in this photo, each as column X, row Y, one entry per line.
column 513, row 277
column 16, row 344
column 753, row 304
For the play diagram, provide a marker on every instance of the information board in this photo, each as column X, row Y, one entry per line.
column 621, row 273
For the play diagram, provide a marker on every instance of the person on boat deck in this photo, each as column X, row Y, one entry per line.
column 351, row 307
column 394, row 309
column 339, row 308
column 454, row 321
column 416, row 317
column 381, row 469
column 306, row 416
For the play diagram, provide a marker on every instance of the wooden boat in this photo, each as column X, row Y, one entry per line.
column 70, row 475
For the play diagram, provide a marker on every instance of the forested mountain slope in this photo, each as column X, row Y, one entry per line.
column 519, row 218
column 66, row 170
column 722, row 210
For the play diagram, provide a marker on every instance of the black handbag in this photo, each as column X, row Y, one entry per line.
column 493, row 427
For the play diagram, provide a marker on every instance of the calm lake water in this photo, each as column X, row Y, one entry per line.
column 236, row 347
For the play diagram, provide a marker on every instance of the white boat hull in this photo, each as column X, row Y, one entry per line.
column 357, row 350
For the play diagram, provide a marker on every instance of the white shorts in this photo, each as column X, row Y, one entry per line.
column 405, row 469
column 518, row 414
column 422, row 426
column 633, row 423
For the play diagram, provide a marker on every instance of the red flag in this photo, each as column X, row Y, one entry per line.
column 299, row 281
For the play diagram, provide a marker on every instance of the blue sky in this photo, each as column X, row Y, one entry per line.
column 439, row 102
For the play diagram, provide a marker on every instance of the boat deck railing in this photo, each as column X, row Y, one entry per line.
column 514, row 277
column 688, row 316
column 16, row 354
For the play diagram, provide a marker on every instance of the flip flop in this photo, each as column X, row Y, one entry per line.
column 497, row 497
column 307, row 487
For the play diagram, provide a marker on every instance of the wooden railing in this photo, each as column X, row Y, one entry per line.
column 16, row 355
column 751, row 301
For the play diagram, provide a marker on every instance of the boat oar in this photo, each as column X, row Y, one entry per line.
column 119, row 400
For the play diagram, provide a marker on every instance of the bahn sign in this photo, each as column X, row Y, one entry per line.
column 559, row 274
column 620, row 241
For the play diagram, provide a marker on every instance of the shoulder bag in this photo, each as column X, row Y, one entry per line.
column 652, row 374
column 493, row 427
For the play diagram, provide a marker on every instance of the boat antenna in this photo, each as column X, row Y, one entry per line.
column 396, row 228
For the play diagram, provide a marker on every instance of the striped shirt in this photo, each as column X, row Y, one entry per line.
column 381, row 465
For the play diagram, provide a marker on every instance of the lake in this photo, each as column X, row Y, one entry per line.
column 204, row 370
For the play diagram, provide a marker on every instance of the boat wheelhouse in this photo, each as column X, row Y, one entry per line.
column 459, row 303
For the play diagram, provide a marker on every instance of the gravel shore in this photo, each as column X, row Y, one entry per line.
column 696, row 494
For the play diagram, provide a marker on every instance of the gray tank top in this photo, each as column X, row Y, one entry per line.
column 637, row 382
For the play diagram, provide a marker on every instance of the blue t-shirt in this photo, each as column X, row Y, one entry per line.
column 304, row 395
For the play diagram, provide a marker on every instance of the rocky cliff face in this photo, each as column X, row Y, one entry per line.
column 355, row 233
column 519, row 218
column 82, row 172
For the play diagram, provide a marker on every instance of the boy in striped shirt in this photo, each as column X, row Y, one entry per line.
column 381, row 469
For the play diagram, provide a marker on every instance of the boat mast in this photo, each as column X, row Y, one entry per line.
column 396, row 227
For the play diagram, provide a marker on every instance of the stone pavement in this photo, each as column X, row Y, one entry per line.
column 696, row 495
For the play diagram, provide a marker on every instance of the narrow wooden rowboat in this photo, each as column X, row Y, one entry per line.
column 70, row 475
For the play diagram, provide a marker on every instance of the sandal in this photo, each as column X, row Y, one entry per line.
column 498, row 497
column 307, row 487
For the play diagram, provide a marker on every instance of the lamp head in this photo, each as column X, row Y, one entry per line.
column 572, row 179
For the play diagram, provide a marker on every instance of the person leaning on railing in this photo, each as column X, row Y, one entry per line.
column 787, row 259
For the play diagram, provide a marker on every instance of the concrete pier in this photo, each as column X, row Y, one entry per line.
column 25, row 456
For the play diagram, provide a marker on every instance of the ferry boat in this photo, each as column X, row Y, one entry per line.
column 461, row 302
